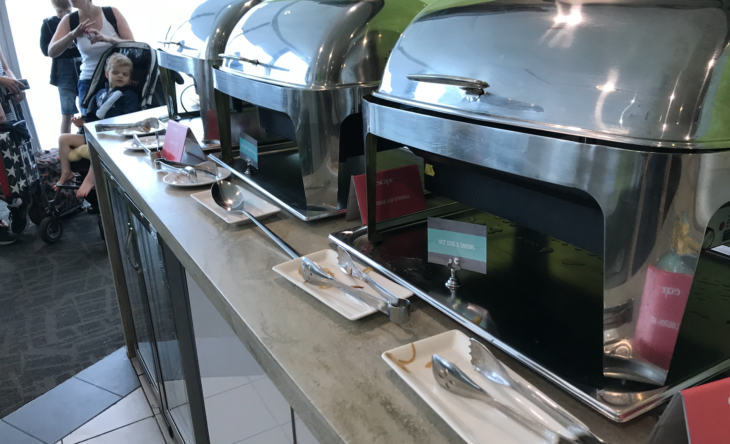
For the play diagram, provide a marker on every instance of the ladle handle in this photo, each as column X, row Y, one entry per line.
column 279, row 241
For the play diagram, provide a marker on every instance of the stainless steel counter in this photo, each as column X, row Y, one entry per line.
column 328, row 368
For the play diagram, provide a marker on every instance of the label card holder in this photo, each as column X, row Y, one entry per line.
column 449, row 239
column 249, row 150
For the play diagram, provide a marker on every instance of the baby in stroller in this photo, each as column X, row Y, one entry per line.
column 117, row 99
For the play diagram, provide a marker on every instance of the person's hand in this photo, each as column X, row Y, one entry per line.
column 19, row 97
column 83, row 28
column 13, row 86
column 98, row 37
column 78, row 121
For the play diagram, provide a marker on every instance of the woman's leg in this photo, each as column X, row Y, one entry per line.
column 65, row 143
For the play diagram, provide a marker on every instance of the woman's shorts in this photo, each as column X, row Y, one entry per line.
column 67, row 81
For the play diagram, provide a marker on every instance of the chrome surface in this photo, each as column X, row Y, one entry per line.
column 229, row 197
column 398, row 311
column 492, row 368
column 192, row 48
column 453, row 283
column 185, row 170
column 451, row 378
column 313, row 61
column 349, row 267
column 645, row 73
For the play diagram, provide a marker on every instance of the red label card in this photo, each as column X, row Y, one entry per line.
column 213, row 132
column 660, row 315
column 398, row 192
column 707, row 409
column 174, row 145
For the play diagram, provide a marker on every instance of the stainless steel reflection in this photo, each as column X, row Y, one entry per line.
column 647, row 73
column 312, row 61
column 192, row 48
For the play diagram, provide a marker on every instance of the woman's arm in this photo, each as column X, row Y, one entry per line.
column 125, row 32
column 64, row 36
column 9, row 82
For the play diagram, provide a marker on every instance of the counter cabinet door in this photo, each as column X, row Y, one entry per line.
column 134, row 281
column 175, row 396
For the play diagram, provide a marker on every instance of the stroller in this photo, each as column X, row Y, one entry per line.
column 146, row 83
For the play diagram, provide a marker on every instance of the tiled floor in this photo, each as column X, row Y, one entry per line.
column 112, row 403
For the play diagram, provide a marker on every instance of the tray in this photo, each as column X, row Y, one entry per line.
column 150, row 142
column 258, row 207
column 337, row 300
column 474, row 421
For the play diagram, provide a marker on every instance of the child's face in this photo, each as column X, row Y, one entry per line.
column 119, row 76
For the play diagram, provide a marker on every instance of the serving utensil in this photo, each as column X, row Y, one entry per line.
column 453, row 379
column 398, row 311
column 151, row 123
column 348, row 266
column 229, row 196
column 186, row 170
column 492, row 368
column 207, row 167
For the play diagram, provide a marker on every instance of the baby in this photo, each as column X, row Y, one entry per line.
column 116, row 99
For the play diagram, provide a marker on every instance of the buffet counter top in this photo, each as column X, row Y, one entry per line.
column 328, row 368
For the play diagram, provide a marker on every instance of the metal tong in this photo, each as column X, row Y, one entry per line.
column 398, row 311
column 186, row 170
column 207, row 167
column 144, row 126
column 453, row 379
column 348, row 266
column 492, row 368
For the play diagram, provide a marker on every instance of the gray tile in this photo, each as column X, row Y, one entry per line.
column 304, row 436
column 145, row 431
column 114, row 373
column 11, row 435
column 62, row 410
column 274, row 401
column 273, row 436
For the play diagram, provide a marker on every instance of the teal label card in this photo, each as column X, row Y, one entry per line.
column 249, row 149
column 448, row 239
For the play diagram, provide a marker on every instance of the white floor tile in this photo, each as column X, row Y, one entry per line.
column 236, row 415
column 215, row 385
column 304, row 436
column 286, row 428
column 274, row 401
column 128, row 410
column 145, row 431
column 150, row 393
column 273, row 436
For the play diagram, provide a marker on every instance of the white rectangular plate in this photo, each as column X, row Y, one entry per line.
column 473, row 420
column 337, row 300
column 255, row 205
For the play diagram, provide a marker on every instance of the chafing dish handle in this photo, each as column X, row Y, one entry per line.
column 462, row 82
column 239, row 58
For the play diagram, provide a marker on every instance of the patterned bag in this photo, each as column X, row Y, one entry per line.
column 49, row 167
column 19, row 176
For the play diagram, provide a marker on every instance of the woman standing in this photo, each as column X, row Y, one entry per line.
column 94, row 34
column 64, row 71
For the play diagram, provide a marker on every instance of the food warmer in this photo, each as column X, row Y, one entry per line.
column 592, row 139
column 306, row 64
column 192, row 48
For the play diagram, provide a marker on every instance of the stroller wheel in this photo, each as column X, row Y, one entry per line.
column 50, row 230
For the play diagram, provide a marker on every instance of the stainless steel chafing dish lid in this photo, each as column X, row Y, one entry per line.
column 640, row 72
column 198, row 35
column 318, row 44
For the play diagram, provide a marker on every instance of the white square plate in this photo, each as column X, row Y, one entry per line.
column 337, row 300
column 473, row 420
column 255, row 205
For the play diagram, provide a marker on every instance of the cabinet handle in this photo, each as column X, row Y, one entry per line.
column 472, row 88
column 127, row 245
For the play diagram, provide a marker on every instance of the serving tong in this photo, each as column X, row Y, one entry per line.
column 145, row 126
column 450, row 377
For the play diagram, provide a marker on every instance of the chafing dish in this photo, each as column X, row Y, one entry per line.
column 192, row 48
column 306, row 64
column 595, row 135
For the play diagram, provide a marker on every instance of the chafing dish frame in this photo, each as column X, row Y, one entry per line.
column 509, row 151
column 200, row 68
column 317, row 115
